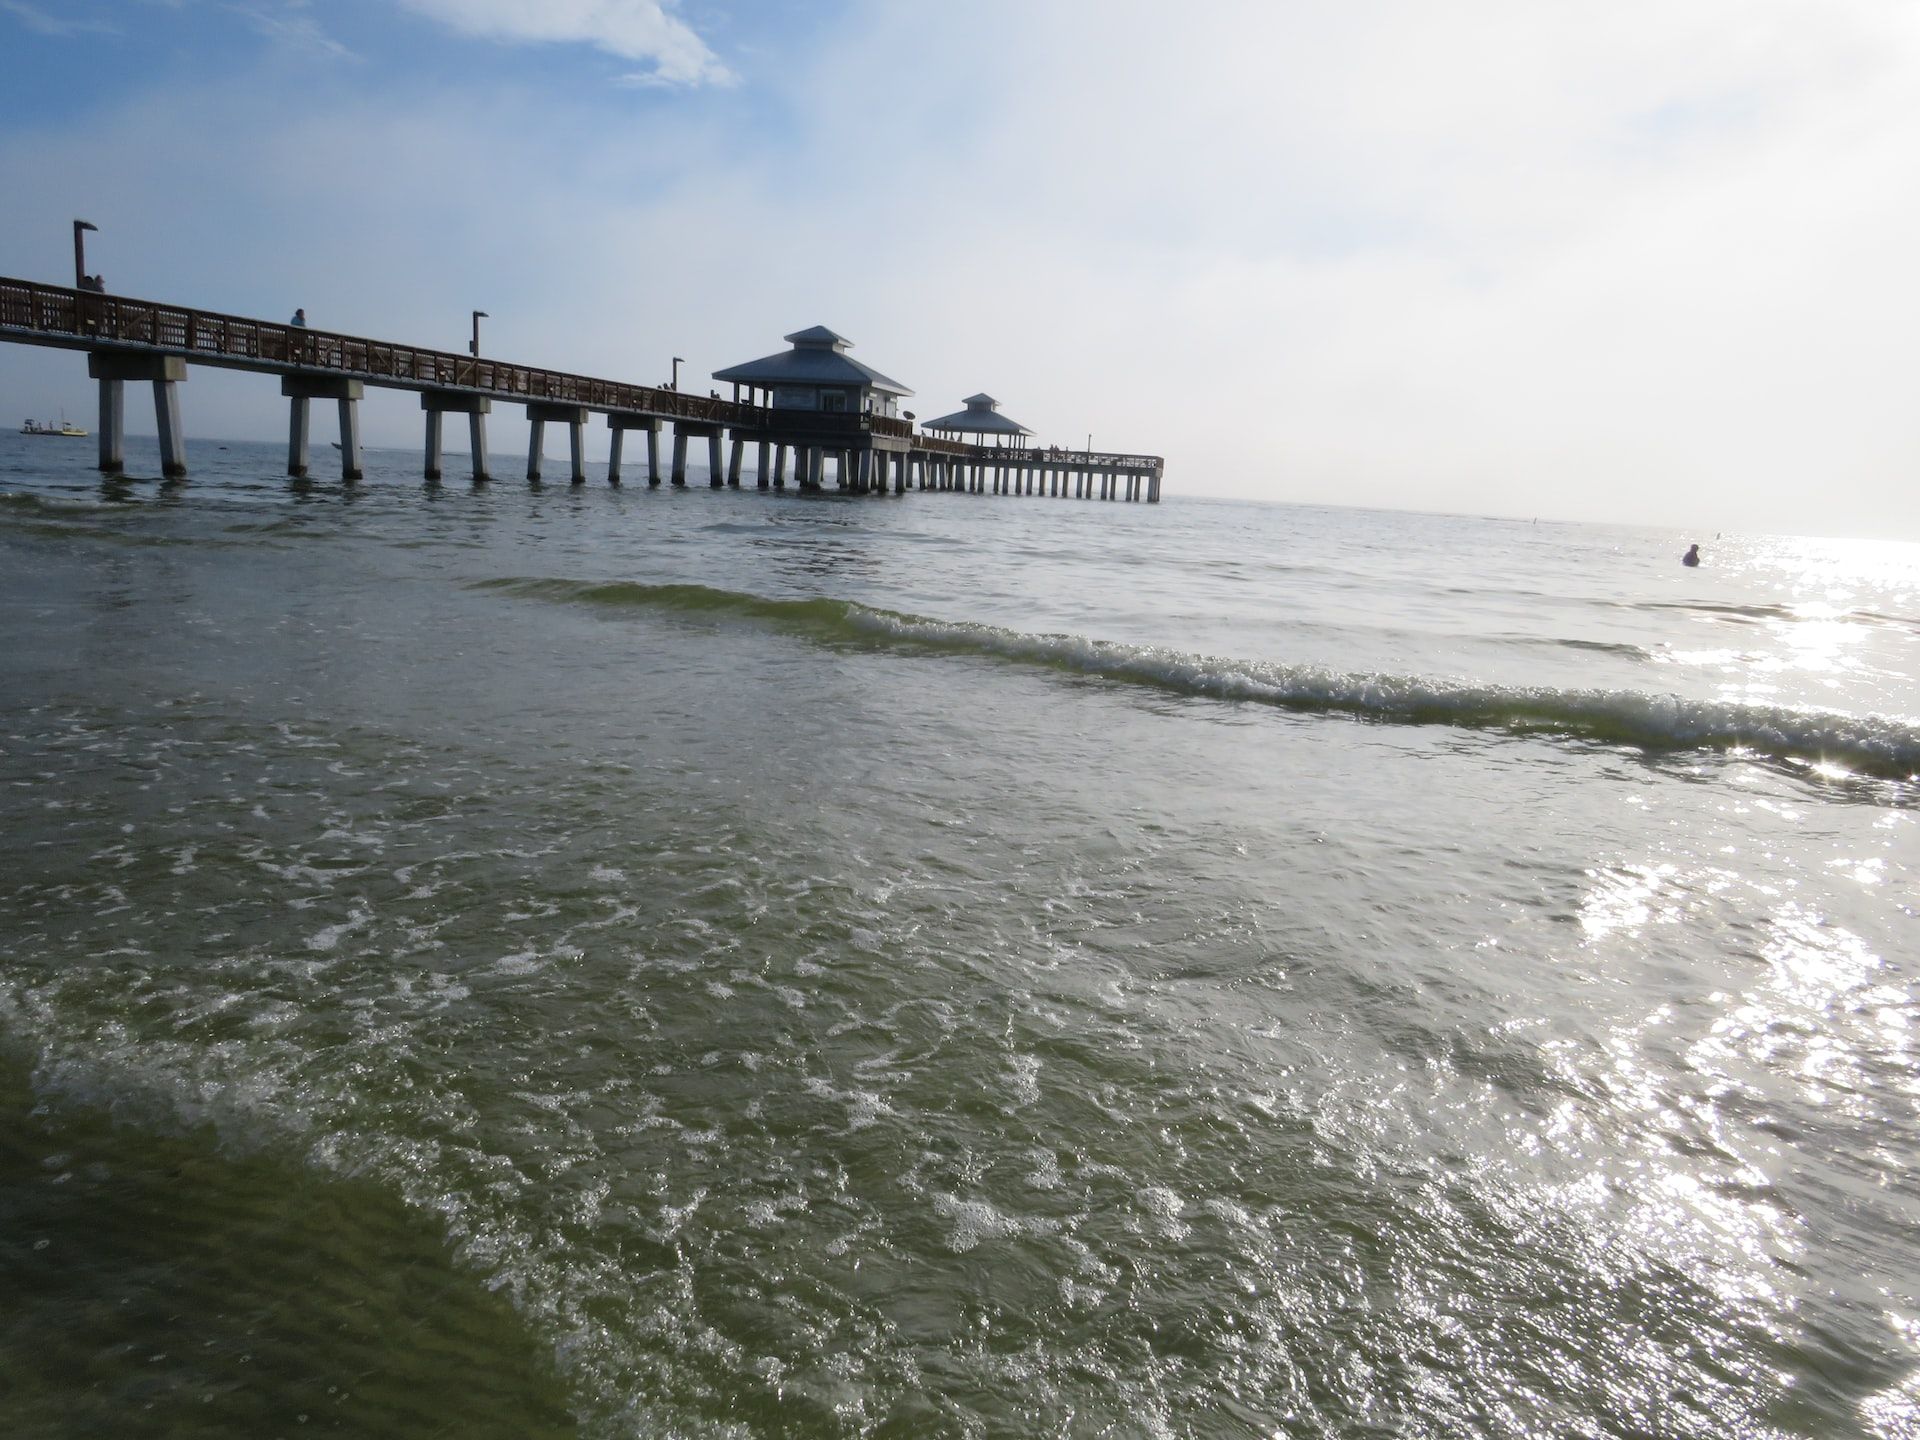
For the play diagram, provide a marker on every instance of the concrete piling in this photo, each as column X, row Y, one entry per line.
column 300, row 391
column 477, row 440
column 165, row 372
column 574, row 417
column 113, row 427
column 299, row 418
column 352, row 463
column 437, row 404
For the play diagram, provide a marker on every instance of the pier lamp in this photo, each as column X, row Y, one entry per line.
column 473, row 345
column 80, row 227
column 674, row 384
column 1089, row 442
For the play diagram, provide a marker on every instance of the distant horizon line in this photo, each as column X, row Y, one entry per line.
column 1182, row 495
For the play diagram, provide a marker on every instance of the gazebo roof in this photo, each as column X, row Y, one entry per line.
column 981, row 417
column 818, row 357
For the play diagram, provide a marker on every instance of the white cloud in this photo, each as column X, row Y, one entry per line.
column 637, row 30
column 59, row 26
column 287, row 23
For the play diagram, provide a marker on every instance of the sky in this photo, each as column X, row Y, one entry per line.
column 1641, row 261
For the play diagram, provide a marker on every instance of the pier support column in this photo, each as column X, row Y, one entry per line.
column 679, row 456
column 714, row 476
column 299, row 390
column 733, row 461
column 863, row 474
column 299, row 416
column 477, row 443
column 816, row 468
column 165, row 372
column 760, row 469
column 352, row 464
column 439, row 403
column 779, row 467
column 1153, row 489
column 536, row 446
column 619, row 423
column 173, row 437
column 574, row 417
column 113, row 427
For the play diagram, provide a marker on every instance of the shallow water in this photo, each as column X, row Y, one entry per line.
column 722, row 963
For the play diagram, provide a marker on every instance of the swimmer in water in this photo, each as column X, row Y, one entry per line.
column 1692, row 557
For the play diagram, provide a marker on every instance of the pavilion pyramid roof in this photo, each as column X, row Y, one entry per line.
column 981, row 417
column 818, row 357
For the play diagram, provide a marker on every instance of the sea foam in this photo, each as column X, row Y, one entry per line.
column 1880, row 747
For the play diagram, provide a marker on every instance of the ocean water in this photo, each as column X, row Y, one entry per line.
column 517, row 961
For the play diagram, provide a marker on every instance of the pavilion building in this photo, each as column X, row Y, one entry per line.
column 816, row 374
column 982, row 417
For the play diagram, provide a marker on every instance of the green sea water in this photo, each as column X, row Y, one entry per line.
column 514, row 961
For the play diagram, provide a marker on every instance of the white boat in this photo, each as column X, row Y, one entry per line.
column 34, row 427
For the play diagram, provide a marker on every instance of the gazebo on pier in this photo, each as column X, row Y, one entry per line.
column 982, row 417
column 817, row 374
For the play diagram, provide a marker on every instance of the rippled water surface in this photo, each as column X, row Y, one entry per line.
column 630, row 962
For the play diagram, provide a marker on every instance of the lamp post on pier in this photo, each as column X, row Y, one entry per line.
column 473, row 345
column 80, row 227
column 674, row 384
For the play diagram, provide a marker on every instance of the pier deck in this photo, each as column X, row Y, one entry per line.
column 128, row 339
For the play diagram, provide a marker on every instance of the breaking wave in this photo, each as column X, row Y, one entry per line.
column 1875, row 746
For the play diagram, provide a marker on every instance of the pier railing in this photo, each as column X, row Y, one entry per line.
column 84, row 319
column 1010, row 455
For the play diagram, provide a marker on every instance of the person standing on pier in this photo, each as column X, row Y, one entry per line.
column 299, row 318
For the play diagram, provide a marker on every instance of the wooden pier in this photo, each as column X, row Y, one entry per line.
column 869, row 454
